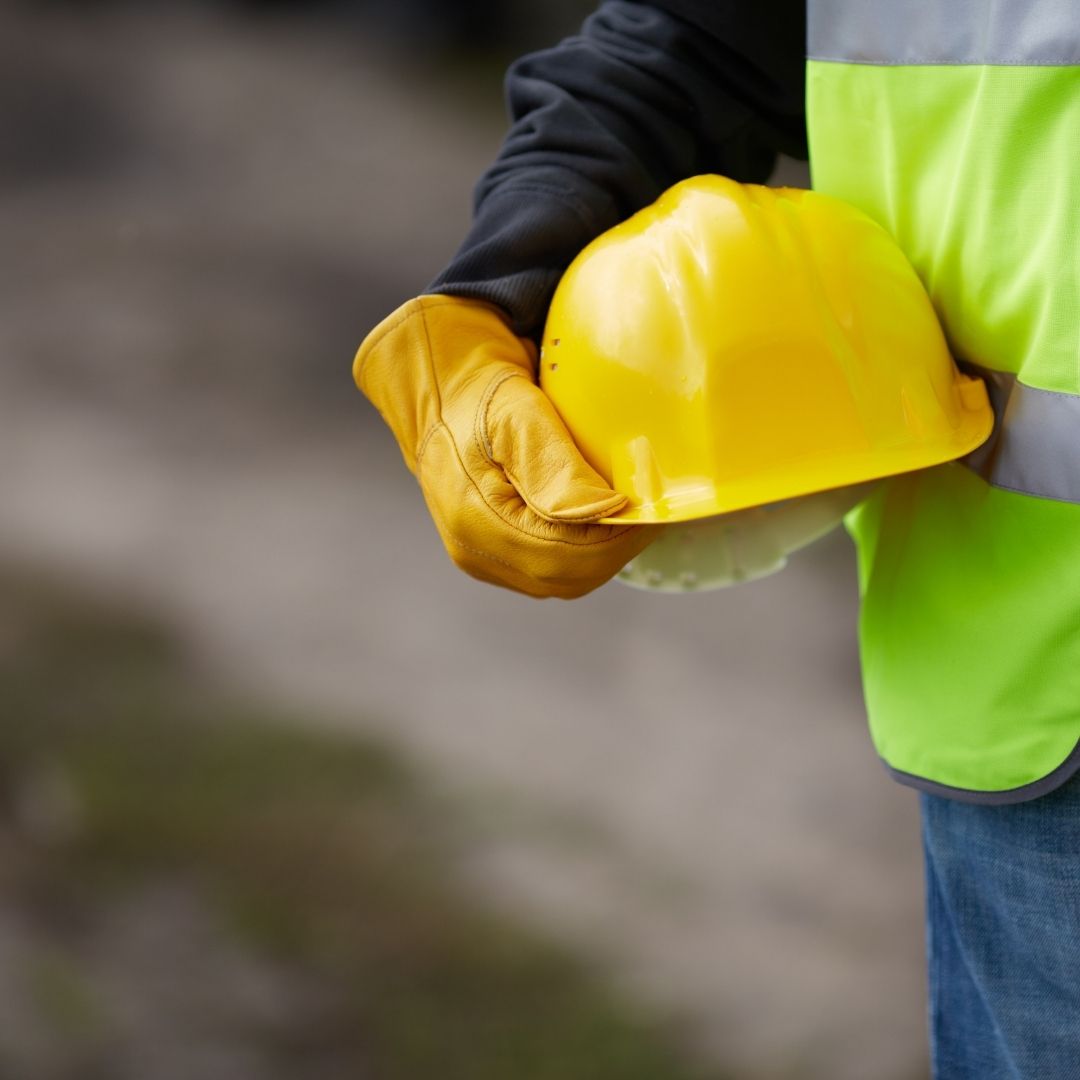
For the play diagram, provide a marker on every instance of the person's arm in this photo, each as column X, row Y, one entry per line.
column 646, row 95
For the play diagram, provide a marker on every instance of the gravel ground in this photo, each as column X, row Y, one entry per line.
column 203, row 216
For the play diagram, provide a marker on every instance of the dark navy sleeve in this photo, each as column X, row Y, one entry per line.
column 646, row 95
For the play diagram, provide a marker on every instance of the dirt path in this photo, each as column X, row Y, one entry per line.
column 683, row 785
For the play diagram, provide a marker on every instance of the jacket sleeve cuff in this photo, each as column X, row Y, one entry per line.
column 517, row 248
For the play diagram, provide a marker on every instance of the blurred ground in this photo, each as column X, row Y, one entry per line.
column 203, row 216
column 196, row 887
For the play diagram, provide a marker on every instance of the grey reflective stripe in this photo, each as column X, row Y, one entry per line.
column 1035, row 445
column 1042, row 32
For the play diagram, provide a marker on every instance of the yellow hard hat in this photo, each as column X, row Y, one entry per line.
column 734, row 345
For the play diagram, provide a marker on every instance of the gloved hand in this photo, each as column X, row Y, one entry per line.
column 513, row 499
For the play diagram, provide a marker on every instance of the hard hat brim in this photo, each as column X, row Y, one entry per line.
column 809, row 476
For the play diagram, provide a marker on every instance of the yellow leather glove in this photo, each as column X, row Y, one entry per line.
column 511, row 495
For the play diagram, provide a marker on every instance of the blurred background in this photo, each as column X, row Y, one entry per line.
column 283, row 794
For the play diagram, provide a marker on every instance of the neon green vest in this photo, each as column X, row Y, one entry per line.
column 957, row 126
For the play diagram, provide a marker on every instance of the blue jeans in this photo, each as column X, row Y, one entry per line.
column 1003, row 937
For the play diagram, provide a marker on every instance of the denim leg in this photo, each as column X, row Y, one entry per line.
column 1003, row 937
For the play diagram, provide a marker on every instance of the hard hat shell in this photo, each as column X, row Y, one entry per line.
column 734, row 345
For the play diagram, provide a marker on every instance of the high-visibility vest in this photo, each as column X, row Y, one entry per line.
column 956, row 125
